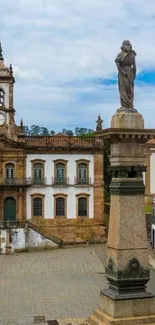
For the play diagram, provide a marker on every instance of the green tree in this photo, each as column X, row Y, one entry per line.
column 52, row 132
column 44, row 131
column 35, row 130
column 68, row 132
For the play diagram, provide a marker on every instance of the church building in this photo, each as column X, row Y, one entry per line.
column 52, row 185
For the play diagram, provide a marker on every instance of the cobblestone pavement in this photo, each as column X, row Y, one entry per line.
column 56, row 284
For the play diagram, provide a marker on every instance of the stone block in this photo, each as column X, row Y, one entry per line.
column 128, row 308
column 127, row 120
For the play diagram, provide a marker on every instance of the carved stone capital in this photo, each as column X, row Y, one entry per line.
column 128, row 283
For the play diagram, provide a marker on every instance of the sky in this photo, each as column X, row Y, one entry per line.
column 63, row 54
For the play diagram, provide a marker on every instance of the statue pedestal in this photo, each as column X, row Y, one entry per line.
column 126, row 300
column 127, row 119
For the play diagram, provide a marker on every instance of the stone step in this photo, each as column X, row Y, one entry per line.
column 93, row 320
column 100, row 318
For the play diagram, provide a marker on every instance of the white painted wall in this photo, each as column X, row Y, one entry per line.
column 18, row 240
column 36, row 239
column 49, row 191
column 49, row 165
column 152, row 173
column 49, row 200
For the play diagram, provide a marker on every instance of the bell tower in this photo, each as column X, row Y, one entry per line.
column 7, row 80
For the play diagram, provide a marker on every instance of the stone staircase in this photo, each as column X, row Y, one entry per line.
column 45, row 233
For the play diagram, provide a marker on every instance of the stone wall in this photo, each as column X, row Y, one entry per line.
column 73, row 231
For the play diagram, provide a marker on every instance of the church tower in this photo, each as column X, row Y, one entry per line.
column 7, row 80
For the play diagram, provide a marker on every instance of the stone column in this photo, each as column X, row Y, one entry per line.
column 127, row 265
column 126, row 300
column 20, row 205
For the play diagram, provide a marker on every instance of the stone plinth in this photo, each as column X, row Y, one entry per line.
column 126, row 312
column 127, row 308
column 127, row 120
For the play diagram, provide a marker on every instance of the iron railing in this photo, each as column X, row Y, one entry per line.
column 15, row 181
column 83, row 181
column 60, row 181
column 12, row 224
column 38, row 181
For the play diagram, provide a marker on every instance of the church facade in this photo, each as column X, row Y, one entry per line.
column 52, row 183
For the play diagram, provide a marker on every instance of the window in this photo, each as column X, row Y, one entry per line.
column 9, row 173
column 37, row 207
column 82, row 207
column 38, row 172
column 60, row 173
column 60, row 205
column 1, row 97
column 82, row 173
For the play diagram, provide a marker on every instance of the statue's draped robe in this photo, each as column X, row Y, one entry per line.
column 126, row 82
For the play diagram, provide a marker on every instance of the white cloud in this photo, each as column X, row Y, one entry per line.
column 54, row 44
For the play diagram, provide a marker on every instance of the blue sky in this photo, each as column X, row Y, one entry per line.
column 63, row 53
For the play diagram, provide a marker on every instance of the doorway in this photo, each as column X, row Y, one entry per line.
column 9, row 209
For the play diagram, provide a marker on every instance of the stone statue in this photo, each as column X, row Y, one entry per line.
column 126, row 65
column 99, row 123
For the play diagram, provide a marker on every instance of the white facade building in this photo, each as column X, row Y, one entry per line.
column 69, row 187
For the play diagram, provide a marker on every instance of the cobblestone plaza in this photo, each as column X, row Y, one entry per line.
column 56, row 284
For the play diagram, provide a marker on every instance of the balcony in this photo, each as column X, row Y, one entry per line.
column 38, row 181
column 60, row 181
column 83, row 181
column 15, row 182
column 12, row 224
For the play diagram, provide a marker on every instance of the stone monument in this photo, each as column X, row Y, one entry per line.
column 126, row 300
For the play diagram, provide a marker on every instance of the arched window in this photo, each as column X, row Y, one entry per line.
column 37, row 207
column 38, row 173
column 1, row 97
column 60, row 173
column 9, row 172
column 82, row 207
column 82, row 173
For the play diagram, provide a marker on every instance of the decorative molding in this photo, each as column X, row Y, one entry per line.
column 128, row 283
column 60, row 195
column 133, row 270
column 127, row 188
column 82, row 195
column 127, row 171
